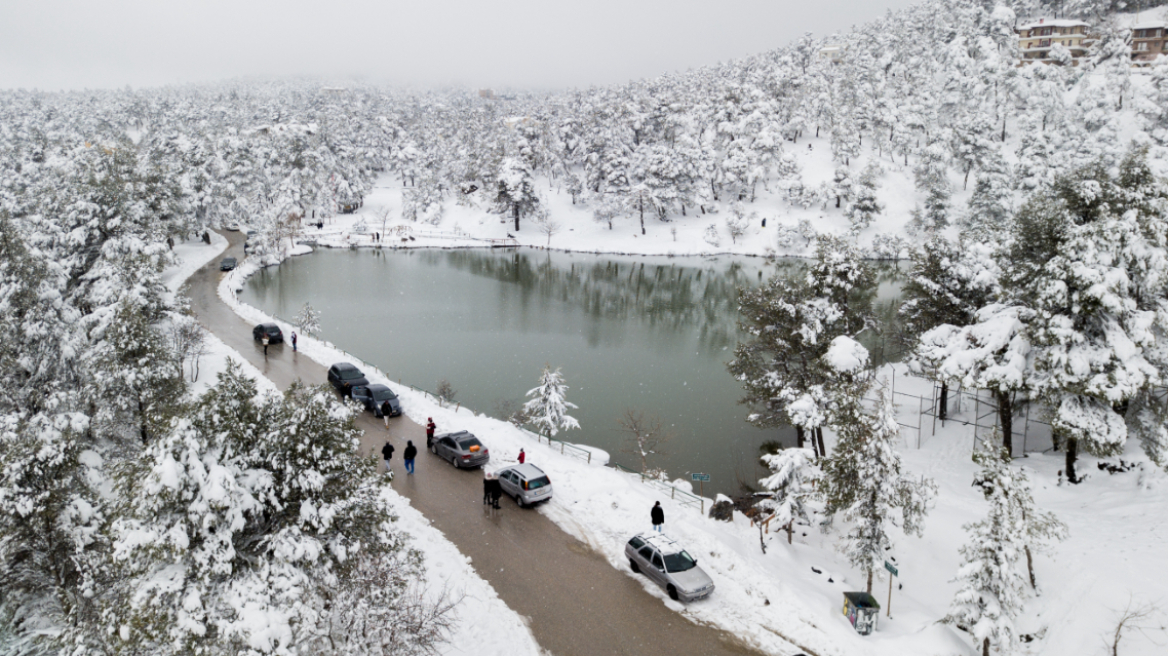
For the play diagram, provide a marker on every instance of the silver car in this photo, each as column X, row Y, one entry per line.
column 526, row 482
column 462, row 449
column 669, row 566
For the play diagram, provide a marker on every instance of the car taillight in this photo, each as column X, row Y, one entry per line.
column 466, row 457
column 525, row 485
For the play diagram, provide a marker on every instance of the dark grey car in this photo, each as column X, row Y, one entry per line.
column 227, row 264
column 461, row 449
column 374, row 398
column 665, row 563
column 344, row 377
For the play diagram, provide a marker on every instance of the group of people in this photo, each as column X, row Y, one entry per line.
column 265, row 341
column 409, row 455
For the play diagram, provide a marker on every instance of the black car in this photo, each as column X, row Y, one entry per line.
column 344, row 377
column 227, row 264
column 269, row 329
column 374, row 397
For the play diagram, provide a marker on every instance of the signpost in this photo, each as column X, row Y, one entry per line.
column 895, row 572
column 701, row 479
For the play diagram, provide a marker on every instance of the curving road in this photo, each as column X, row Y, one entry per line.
column 576, row 602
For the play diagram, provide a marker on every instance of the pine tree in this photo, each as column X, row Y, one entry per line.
column 864, row 206
column 992, row 589
column 548, row 407
column 863, row 484
column 792, row 479
column 308, row 320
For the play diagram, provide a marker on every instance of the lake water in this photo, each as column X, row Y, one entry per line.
column 641, row 333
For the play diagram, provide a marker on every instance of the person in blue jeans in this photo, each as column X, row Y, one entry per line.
column 411, row 452
column 658, row 516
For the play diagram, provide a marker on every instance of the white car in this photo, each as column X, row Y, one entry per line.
column 526, row 482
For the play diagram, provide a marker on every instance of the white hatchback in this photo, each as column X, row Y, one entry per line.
column 526, row 482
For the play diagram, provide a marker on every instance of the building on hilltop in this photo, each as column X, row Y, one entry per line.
column 1148, row 42
column 832, row 53
column 489, row 94
column 1035, row 40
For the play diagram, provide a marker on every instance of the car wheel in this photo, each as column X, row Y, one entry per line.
column 633, row 566
column 672, row 592
column 434, row 449
column 454, row 461
column 519, row 500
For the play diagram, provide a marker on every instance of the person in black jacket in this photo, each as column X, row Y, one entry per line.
column 657, row 514
column 409, row 454
column 386, row 455
column 495, row 488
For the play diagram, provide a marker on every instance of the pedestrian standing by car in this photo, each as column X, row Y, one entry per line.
column 658, row 516
column 408, row 455
column 387, row 455
column 522, row 457
column 430, row 428
column 293, row 341
column 496, row 491
column 486, row 488
column 386, row 411
column 265, row 341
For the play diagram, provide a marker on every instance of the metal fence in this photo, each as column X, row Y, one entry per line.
column 687, row 499
column 979, row 409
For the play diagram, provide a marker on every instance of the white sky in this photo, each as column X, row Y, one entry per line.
column 58, row 44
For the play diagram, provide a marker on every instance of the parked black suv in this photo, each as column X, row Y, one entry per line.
column 227, row 264
column 344, row 377
column 271, row 330
column 374, row 397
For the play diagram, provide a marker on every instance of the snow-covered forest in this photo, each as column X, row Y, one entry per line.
column 1030, row 201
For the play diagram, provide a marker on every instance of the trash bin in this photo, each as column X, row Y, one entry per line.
column 862, row 610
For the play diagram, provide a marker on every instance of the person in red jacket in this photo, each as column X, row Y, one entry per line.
column 430, row 428
column 522, row 456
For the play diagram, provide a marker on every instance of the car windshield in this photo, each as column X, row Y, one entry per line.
column 350, row 374
column 383, row 395
column 538, row 482
column 466, row 444
column 679, row 562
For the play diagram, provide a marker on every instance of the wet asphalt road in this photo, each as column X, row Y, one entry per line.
column 575, row 601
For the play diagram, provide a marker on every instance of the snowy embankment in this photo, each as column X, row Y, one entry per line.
column 483, row 623
column 792, row 594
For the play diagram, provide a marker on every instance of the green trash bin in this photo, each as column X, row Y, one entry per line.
column 862, row 610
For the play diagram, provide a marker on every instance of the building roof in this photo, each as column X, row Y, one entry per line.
column 1055, row 22
column 1149, row 25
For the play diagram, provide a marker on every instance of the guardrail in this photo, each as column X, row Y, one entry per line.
column 564, row 447
column 676, row 494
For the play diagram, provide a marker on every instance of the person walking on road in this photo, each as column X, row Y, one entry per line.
column 265, row 341
column 387, row 455
column 522, row 456
column 386, row 410
column 658, row 516
column 293, row 341
column 408, row 455
column 430, row 428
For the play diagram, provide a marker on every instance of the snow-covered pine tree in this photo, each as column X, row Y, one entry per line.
column 863, row 483
column 793, row 473
column 308, row 320
column 548, row 406
column 864, row 206
column 992, row 591
column 1088, row 258
column 515, row 189
column 792, row 322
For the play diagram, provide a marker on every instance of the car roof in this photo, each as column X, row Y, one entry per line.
column 344, row 366
column 527, row 470
column 663, row 543
column 461, row 433
column 377, row 387
column 268, row 325
column 229, row 258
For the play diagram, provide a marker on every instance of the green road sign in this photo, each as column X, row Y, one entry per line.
column 888, row 566
column 704, row 478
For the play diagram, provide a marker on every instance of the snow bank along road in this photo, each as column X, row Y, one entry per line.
column 577, row 603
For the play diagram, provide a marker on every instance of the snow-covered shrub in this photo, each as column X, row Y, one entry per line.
column 711, row 235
